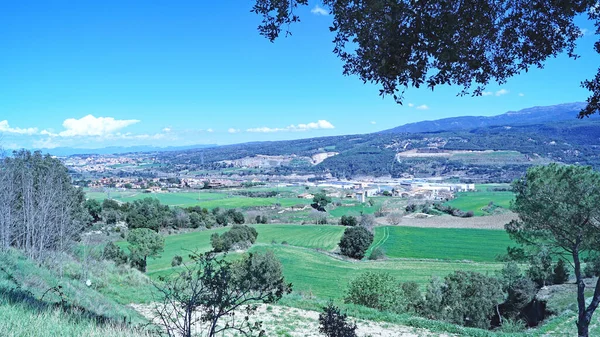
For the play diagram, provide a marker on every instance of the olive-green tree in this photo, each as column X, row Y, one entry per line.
column 558, row 209
column 144, row 243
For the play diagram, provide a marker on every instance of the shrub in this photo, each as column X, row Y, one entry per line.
column 377, row 254
column 519, row 294
column 540, row 269
column 355, row 242
column 367, row 221
column 377, row 290
column 561, row 273
column 115, row 253
column 177, row 260
column 394, row 218
column 333, row 323
column 238, row 237
column 592, row 265
column 348, row 220
column 413, row 297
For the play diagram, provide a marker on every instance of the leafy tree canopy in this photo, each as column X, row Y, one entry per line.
column 398, row 44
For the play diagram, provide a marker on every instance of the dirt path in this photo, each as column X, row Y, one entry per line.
column 285, row 321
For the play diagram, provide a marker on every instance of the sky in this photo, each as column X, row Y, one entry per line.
column 123, row 73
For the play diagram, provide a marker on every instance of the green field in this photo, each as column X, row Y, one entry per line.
column 203, row 199
column 475, row 201
column 421, row 253
column 480, row 245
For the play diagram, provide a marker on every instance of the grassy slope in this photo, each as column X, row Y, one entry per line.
column 326, row 276
column 480, row 245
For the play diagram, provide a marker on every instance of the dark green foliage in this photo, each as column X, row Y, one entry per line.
column 110, row 204
column 176, row 261
column 540, row 268
column 333, row 323
column 355, row 242
column 320, row 201
column 519, row 294
column 238, row 237
column 144, row 243
column 592, row 265
column 348, row 220
column 413, row 297
column 115, row 253
column 452, row 210
column 515, row 254
column 148, row 213
column 561, row 273
column 464, row 298
column 375, row 290
column 94, row 208
column 377, row 254
column 399, row 50
column 261, row 219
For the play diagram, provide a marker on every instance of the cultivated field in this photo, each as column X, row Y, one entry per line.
column 476, row 201
column 309, row 263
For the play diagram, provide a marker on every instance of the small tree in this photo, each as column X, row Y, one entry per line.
column 561, row 273
column 379, row 291
column 211, row 289
column 394, row 218
column 114, row 253
column 540, row 268
column 348, row 220
column 239, row 236
column 320, row 201
column 355, row 242
column 333, row 323
column 176, row 261
column 144, row 243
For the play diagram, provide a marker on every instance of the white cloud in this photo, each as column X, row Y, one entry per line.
column 210, row 130
column 487, row 93
column 92, row 126
column 232, row 130
column 167, row 130
column 422, row 107
column 373, row 122
column 521, row 94
column 318, row 10
column 501, row 92
column 4, row 127
column 410, row 105
column 321, row 124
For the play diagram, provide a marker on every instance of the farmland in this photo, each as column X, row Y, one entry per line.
column 310, row 266
column 476, row 201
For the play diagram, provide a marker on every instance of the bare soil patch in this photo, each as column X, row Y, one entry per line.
column 481, row 222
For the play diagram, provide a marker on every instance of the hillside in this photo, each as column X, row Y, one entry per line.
column 534, row 115
column 495, row 149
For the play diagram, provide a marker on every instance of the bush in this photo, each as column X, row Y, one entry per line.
column 238, row 237
column 348, row 220
column 592, row 265
column 355, row 242
column 333, row 323
column 375, row 290
column 561, row 273
column 394, row 218
column 115, row 253
column 413, row 297
column 177, row 260
column 367, row 221
column 377, row 254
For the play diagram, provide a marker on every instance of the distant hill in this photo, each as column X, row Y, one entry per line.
column 69, row 151
column 535, row 115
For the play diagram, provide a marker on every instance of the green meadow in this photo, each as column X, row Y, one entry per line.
column 415, row 254
column 475, row 201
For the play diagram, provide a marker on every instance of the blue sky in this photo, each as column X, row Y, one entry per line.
column 164, row 73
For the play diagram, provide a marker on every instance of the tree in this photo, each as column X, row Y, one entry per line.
column 210, row 289
column 561, row 273
column 558, row 208
column 397, row 44
column 114, row 253
column 320, row 201
column 332, row 322
column 238, row 237
column 394, row 218
column 94, row 208
column 148, row 213
column 348, row 220
column 413, row 297
column 40, row 210
column 540, row 268
column 355, row 242
column 377, row 290
column 144, row 243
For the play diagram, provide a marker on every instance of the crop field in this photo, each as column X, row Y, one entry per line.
column 423, row 252
column 480, row 245
column 475, row 201
column 203, row 199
